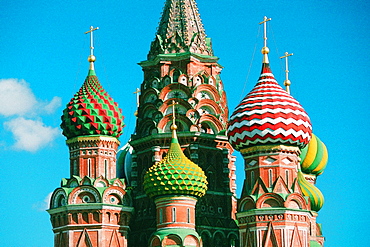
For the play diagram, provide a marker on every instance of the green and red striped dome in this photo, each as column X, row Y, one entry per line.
column 92, row 112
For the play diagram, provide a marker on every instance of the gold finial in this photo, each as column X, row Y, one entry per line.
column 137, row 101
column 287, row 81
column 91, row 58
column 265, row 50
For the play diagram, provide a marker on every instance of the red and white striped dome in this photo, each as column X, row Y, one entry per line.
column 269, row 115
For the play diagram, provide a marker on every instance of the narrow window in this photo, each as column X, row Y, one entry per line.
column 252, row 178
column 89, row 167
column 287, row 177
column 173, row 214
column 75, row 169
column 160, row 216
column 270, row 177
column 188, row 215
column 106, row 168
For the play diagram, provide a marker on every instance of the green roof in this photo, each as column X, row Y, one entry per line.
column 175, row 174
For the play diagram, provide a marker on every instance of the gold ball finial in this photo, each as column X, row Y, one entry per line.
column 173, row 127
column 287, row 83
column 91, row 58
column 265, row 50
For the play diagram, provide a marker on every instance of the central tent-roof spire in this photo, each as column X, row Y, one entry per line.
column 180, row 30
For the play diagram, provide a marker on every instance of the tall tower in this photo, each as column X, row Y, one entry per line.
column 181, row 66
column 278, row 206
column 175, row 183
column 92, row 207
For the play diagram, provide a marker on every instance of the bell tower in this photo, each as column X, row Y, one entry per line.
column 92, row 207
column 278, row 206
column 181, row 66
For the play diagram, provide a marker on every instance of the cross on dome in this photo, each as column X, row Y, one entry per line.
column 265, row 50
column 287, row 81
column 91, row 58
column 173, row 127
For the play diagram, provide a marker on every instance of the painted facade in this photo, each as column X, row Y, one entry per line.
column 174, row 183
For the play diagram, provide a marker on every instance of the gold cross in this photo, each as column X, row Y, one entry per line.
column 265, row 19
column 173, row 110
column 287, row 81
column 137, row 96
column 92, row 29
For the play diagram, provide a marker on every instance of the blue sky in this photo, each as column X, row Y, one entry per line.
column 43, row 52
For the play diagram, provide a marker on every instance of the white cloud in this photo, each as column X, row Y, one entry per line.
column 44, row 205
column 16, row 97
column 30, row 135
column 17, row 101
column 54, row 104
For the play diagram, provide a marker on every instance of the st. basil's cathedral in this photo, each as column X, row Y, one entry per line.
column 174, row 183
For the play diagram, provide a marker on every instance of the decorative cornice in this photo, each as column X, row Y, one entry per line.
column 96, row 138
column 269, row 149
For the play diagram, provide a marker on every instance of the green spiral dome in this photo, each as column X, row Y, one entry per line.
column 175, row 175
column 92, row 112
column 310, row 190
column 314, row 157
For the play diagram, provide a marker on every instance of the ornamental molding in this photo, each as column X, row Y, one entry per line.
column 268, row 150
column 84, row 189
column 97, row 138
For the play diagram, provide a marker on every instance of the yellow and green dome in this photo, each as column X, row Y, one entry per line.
column 314, row 157
column 310, row 190
column 175, row 175
column 92, row 112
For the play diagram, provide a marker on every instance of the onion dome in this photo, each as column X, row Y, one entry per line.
column 310, row 190
column 314, row 157
column 92, row 111
column 175, row 174
column 124, row 162
column 268, row 115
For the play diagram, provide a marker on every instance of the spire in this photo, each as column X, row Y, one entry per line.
column 265, row 50
column 92, row 111
column 268, row 114
column 287, row 81
column 91, row 58
column 137, row 101
column 174, row 126
column 175, row 174
column 180, row 30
